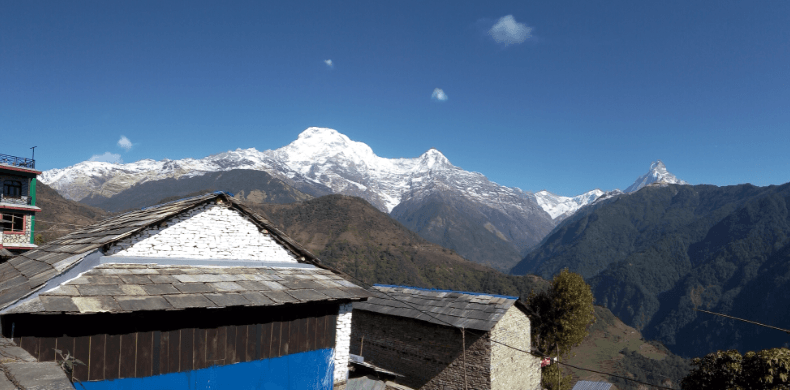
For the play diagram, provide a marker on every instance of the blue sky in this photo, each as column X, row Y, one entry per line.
column 564, row 96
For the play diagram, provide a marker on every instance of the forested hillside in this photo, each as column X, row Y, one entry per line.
column 350, row 234
column 59, row 216
column 655, row 255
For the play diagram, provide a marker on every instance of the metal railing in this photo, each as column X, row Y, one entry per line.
column 20, row 200
column 17, row 161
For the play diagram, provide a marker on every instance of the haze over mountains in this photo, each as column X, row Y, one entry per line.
column 461, row 210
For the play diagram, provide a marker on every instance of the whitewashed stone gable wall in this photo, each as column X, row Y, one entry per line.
column 511, row 369
column 211, row 231
column 342, row 342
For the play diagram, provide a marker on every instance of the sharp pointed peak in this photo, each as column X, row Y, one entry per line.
column 658, row 173
column 658, row 165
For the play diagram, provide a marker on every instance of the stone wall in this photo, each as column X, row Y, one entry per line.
column 430, row 356
column 211, row 231
column 14, row 238
column 342, row 342
column 512, row 369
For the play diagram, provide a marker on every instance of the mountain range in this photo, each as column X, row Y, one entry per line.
column 458, row 209
column 654, row 256
column 350, row 234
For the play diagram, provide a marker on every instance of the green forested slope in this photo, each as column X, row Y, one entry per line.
column 349, row 234
column 654, row 255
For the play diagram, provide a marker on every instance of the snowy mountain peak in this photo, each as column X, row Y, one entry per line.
column 657, row 174
column 564, row 206
column 434, row 160
column 318, row 144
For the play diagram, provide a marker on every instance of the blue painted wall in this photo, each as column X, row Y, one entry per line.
column 306, row 370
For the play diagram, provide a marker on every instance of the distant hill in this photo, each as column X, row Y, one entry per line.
column 350, row 234
column 59, row 216
column 655, row 255
column 617, row 348
column 250, row 185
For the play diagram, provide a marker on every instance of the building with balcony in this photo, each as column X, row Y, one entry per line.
column 17, row 205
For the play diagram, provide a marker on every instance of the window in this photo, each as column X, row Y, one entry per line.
column 13, row 223
column 12, row 188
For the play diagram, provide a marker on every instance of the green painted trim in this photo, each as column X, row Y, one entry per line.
column 33, row 191
column 33, row 217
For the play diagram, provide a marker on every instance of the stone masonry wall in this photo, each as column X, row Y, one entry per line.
column 342, row 342
column 511, row 369
column 429, row 355
column 211, row 231
column 13, row 238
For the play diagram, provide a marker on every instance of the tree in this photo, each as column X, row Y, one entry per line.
column 560, row 317
column 728, row 370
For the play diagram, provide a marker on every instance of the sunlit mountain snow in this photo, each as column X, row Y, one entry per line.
column 657, row 174
column 557, row 205
column 325, row 157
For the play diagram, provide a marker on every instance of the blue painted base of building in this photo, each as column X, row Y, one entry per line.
column 300, row 371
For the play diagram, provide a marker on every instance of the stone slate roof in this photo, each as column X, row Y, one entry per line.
column 588, row 385
column 28, row 272
column 443, row 307
column 20, row 370
column 119, row 288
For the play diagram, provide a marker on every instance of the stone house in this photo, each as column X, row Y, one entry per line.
column 17, row 205
column 440, row 339
column 194, row 294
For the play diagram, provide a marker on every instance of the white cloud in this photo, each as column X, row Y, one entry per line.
column 509, row 32
column 439, row 95
column 107, row 157
column 125, row 143
column 329, row 63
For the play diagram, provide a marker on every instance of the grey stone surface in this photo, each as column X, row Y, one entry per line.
column 38, row 375
column 449, row 308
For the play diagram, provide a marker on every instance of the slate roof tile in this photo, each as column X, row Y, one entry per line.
column 225, row 300
column 96, row 304
column 193, row 287
column 136, row 303
column 449, row 308
column 184, row 301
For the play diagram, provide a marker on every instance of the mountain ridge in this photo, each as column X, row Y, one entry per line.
column 501, row 224
column 654, row 255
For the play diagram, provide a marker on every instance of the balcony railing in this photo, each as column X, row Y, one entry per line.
column 17, row 161
column 20, row 200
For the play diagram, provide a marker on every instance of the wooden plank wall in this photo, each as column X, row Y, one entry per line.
column 112, row 355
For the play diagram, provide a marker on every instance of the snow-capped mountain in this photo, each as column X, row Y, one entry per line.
column 561, row 207
column 318, row 156
column 657, row 174
column 323, row 161
column 461, row 210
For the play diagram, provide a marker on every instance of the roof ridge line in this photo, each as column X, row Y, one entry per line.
column 451, row 291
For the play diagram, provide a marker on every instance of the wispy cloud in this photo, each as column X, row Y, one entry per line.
column 125, row 143
column 439, row 95
column 107, row 157
column 329, row 63
column 510, row 32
